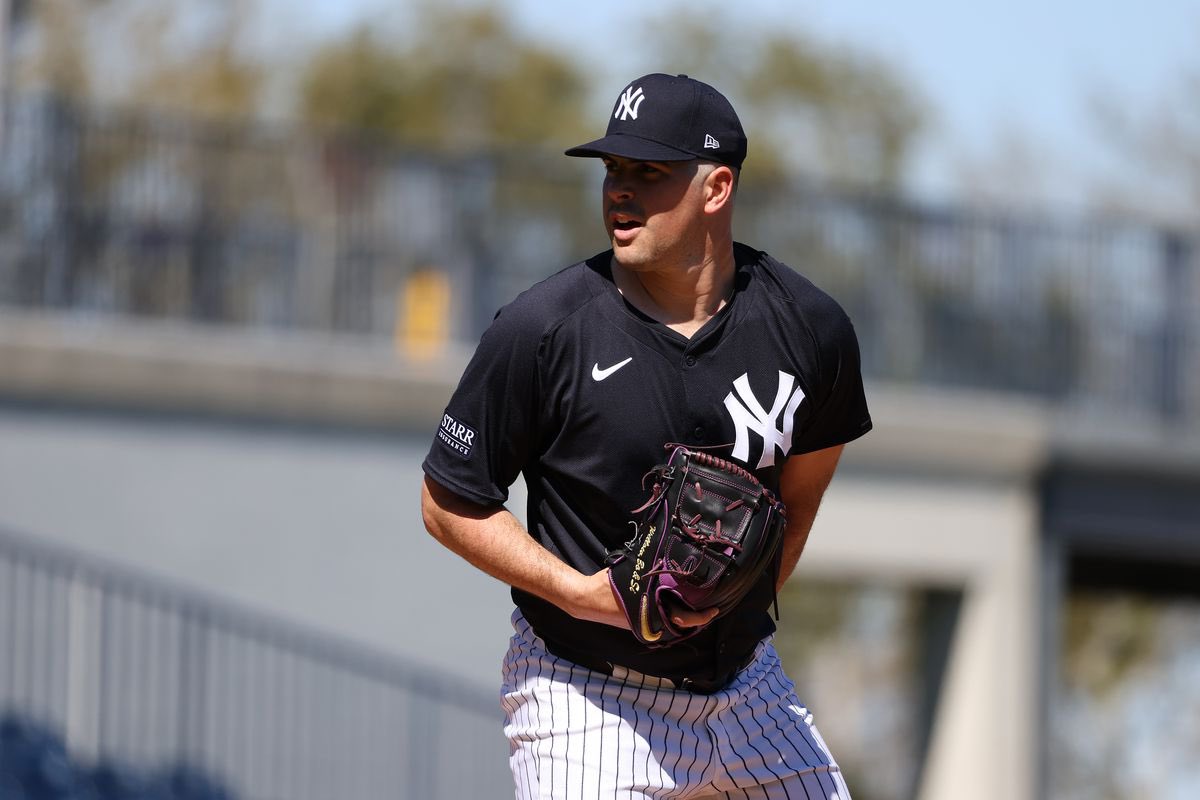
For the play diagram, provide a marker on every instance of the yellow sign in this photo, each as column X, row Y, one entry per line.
column 422, row 321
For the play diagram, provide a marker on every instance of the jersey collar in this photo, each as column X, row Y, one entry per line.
column 653, row 333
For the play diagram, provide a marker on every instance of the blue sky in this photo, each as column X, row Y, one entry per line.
column 1010, row 74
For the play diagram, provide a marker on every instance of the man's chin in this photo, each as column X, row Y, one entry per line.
column 625, row 262
column 627, row 255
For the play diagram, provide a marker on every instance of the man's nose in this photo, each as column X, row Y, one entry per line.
column 618, row 187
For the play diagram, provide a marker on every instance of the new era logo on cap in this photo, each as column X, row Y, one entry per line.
column 671, row 118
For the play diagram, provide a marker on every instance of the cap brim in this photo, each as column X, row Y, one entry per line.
column 634, row 147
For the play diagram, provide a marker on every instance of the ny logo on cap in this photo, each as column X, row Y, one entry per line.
column 628, row 105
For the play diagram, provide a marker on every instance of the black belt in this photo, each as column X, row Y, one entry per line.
column 685, row 683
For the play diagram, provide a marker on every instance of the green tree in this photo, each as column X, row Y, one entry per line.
column 169, row 54
column 1154, row 144
column 469, row 81
column 211, row 74
column 52, row 47
column 810, row 108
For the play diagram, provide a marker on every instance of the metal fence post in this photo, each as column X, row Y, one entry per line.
column 1173, row 345
column 193, row 679
column 65, row 130
column 82, row 690
column 207, row 278
column 423, row 734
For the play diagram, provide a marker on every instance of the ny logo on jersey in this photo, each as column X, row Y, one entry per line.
column 749, row 415
column 628, row 104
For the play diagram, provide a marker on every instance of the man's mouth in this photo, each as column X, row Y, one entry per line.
column 625, row 225
column 625, row 229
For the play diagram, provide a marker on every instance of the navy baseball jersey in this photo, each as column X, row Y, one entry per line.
column 576, row 389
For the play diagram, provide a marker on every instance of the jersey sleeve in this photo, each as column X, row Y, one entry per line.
column 840, row 414
column 488, row 430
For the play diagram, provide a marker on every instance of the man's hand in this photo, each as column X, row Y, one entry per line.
column 593, row 600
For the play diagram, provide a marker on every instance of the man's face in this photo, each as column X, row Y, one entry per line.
column 653, row 211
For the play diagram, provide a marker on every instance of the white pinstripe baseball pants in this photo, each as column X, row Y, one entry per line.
column 577, row 734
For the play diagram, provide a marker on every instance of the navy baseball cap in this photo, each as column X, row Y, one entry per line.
column 671, row 118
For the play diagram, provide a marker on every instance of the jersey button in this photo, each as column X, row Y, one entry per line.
column 690, row 361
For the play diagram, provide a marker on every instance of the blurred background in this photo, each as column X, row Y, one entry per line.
column 246, row 247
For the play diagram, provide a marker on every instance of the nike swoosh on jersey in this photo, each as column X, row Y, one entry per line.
column 600, row 374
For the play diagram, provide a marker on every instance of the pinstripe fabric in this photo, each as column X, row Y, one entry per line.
column 576, row 734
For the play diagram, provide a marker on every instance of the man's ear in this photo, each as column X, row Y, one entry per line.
column 718, row 188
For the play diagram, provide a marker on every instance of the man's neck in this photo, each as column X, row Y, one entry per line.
column 683, row 299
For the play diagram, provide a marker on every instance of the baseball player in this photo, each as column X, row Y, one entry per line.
column 675, row 334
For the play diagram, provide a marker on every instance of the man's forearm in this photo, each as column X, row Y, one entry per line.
column 493, row 540
column 794, row 540
column 805, row 479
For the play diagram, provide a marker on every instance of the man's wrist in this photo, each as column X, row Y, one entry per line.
column 589, row 597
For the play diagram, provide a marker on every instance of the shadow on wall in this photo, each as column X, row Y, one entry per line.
column 34, row 765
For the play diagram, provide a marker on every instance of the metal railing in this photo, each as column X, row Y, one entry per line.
column 122, row 213
column 1094, row 315
column 134, row 671
column 117, row 213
